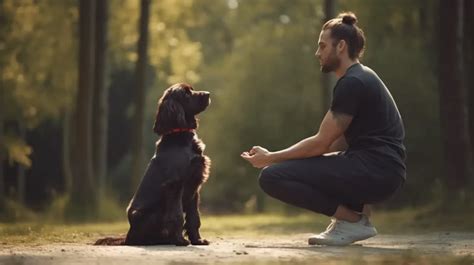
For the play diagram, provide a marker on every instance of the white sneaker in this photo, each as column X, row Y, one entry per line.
column 342, row 233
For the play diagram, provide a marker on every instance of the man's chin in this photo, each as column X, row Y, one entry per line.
column 325, row 69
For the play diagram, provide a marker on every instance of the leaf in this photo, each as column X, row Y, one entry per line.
column 18, row 150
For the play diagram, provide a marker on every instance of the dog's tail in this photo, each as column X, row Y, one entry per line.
column 110, row 241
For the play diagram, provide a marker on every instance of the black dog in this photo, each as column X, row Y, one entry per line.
column 170, row 187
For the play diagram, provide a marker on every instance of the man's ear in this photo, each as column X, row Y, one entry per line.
column 341, row 45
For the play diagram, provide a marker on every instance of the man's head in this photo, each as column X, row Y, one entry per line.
column 340, row 38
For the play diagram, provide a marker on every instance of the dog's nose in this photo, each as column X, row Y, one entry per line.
column 206, row 96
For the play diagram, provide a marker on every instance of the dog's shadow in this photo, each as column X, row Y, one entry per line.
column 162, row 248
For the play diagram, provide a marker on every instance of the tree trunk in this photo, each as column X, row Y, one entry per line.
column 3, row 152
column 327, row 80
column 140, row 90
column 100, row 116
column 67, row 135
column 83, row 197
column 454, row 119
column 21, row 182
column 469, row 65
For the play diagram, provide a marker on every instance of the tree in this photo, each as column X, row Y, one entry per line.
column 453, row 103
column 140, row 91
column 327, row 80
column 169, row 45
column 35, row 59
column 83, row 195
column 469, row 66
column 100, row 97
column 2, row 150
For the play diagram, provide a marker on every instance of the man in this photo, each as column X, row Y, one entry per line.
column 363, row 122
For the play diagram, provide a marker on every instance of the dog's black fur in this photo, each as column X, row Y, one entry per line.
column 168, row 195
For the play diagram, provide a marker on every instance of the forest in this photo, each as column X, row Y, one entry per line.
column 80, row 81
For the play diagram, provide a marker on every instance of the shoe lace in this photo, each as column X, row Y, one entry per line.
column 332, row 227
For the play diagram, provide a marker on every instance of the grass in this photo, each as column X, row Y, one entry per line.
column 406, row 221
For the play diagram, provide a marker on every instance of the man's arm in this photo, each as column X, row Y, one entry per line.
column 339, row 144
column 332, row 127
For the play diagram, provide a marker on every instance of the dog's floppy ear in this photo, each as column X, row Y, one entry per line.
column 170, row 115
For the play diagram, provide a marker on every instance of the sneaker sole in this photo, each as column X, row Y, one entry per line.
column 325, row 242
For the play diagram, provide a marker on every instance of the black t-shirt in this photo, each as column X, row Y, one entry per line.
column 376, row 121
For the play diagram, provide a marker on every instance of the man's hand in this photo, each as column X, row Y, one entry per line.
column 258, row 156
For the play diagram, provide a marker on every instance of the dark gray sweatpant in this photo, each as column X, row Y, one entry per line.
column 322, row 183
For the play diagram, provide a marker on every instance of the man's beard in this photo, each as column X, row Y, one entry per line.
column 332, row 64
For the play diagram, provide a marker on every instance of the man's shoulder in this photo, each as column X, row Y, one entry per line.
column 360, row 72
column 350, row 81
column 365, row 75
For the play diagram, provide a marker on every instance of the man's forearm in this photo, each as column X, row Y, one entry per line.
column 309, row 147
column 339, row 145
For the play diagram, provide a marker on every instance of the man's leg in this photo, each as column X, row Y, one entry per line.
column 331, row 186
column 367, row 211
column 319, row 184
column 346, row 214
column 304, row 196
column 298, row 194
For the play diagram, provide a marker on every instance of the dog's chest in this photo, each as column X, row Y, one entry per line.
column 198, row 146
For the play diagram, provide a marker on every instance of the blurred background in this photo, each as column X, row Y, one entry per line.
column 80, row 79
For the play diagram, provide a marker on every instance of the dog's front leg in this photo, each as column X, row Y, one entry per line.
column 193, row 220
column 175, row 218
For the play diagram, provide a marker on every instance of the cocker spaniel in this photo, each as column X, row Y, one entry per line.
column 167, row 199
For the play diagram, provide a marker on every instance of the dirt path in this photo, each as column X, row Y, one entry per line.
column 285, row 249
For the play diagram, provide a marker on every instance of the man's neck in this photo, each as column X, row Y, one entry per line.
column 345, row 64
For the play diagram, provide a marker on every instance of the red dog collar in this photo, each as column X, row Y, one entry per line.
column 177, row 130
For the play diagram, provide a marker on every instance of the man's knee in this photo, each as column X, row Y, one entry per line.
column 267, row 178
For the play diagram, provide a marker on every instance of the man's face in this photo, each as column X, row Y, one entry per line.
column 326, row 52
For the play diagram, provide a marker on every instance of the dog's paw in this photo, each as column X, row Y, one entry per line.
column 110, row 241
column 200, row 242
column 182, row 242
column 102, row 241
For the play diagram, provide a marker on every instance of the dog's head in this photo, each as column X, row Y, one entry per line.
column 178, row 107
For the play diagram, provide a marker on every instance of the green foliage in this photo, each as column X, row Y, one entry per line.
column 169, row 44
column 17, row 150
column 172, row 56
column 264, row 91
column 37, row 58
column 13, row 211
column 59, row 211
column 257, row 60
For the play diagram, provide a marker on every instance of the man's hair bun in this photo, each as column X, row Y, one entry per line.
column 348, row 18
column 344, row 27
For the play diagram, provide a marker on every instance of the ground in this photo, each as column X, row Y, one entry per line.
column 262, row 239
